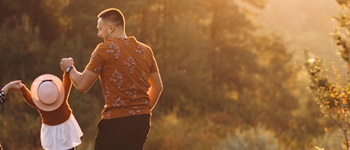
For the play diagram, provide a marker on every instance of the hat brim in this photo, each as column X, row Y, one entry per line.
column 34, row 92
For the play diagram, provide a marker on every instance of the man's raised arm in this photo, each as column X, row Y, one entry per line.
column 82, row 81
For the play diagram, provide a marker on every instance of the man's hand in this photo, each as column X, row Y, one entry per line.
column 66, row 62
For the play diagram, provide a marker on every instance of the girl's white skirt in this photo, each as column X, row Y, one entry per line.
column 61, row 137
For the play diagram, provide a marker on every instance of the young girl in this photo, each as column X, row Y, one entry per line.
column 59, row 129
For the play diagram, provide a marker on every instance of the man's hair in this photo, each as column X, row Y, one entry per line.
column 114, row 15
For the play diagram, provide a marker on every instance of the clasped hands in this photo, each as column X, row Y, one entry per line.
column 66, row 62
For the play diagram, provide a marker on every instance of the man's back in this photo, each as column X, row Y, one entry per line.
column 124, row 66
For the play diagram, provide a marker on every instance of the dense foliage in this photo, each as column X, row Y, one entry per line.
column 226, row 85
column 332, row 94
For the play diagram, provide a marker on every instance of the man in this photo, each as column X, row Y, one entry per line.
column 130, row 82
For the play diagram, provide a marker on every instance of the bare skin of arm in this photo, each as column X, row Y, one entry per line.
column 156, row 88
column 82, row 81
column 12, row 86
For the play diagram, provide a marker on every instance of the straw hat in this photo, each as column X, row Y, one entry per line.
column 47, row 92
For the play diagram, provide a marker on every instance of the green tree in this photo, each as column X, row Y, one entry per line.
column 332, row 95
column 253, row 75
column 220, row 75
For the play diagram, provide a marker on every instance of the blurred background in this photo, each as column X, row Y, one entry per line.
column 233, row 71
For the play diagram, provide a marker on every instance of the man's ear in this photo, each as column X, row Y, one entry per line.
column 111, row 28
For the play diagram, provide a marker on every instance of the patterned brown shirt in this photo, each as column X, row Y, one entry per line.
column 123, row 66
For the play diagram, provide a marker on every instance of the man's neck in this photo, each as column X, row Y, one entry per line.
column 118, row 34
